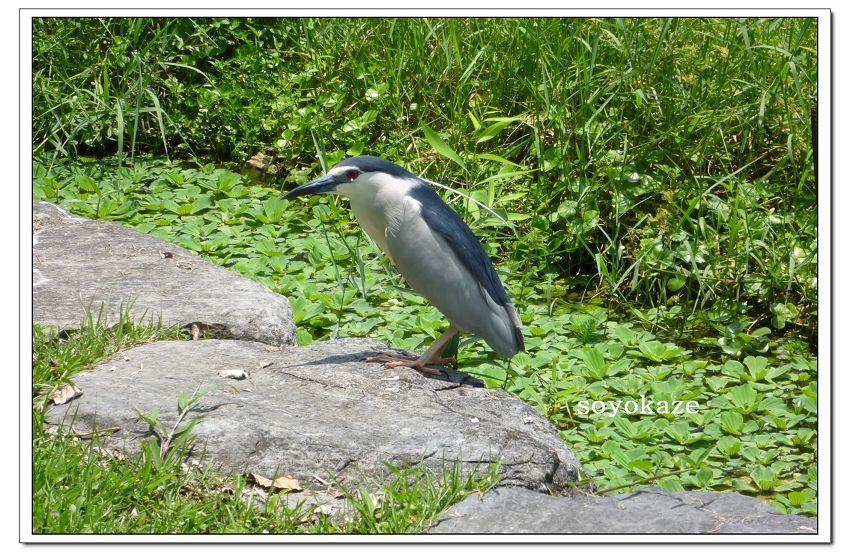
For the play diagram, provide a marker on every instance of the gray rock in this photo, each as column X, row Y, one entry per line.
column 651, row 510
column 320, row 413
column 81, row 264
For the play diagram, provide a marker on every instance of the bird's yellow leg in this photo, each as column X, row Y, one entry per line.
column 432, row 356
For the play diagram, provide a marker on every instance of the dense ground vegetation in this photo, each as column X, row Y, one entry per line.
column 646, row 187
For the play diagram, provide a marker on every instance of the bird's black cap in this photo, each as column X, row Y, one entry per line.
column 368, row 164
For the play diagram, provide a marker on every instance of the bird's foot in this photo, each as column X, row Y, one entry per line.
column 408, row 359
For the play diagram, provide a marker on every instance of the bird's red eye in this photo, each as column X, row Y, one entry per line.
column 352, row 174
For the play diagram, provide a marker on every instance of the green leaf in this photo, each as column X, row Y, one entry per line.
column 440, row 145
column 704, row 476
column 744, row 397
column 756, row 365
column 190, row 243
column 763, row 331
column 675, row 283
column 800, row 498
column 681, row 432
column 86, row 183
column 732, row 422
column 499, row 159
column 764, row 477
column 199, row 204
column 171, row 206
column 728, row 446
column 150, row 418
column 595, row 363
column 183, row 401
column 151, row 452
column 303, row 337
column 494, row 129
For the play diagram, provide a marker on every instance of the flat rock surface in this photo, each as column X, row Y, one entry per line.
column 651, row 510
column 319, row 413
column 81, row 264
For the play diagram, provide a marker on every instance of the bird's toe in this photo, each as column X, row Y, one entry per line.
column 406, row 359
column 385, row 357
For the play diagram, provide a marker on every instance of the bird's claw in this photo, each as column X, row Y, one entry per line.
column 406, row 359
column 414, row 365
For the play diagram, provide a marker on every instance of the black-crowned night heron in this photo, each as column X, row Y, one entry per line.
column 432, row 248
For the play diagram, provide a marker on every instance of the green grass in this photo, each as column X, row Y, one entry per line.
column 79, row 489
column 646, row 159
column 652, row 180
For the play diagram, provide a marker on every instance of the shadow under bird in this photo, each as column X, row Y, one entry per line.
column 432, row 248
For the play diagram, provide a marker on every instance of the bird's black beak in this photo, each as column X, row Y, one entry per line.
column 324, row 184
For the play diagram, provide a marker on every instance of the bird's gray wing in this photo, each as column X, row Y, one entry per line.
column 440, row 217
column 494, row 317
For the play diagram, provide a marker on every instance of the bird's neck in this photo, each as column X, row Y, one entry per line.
column 378, row 207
